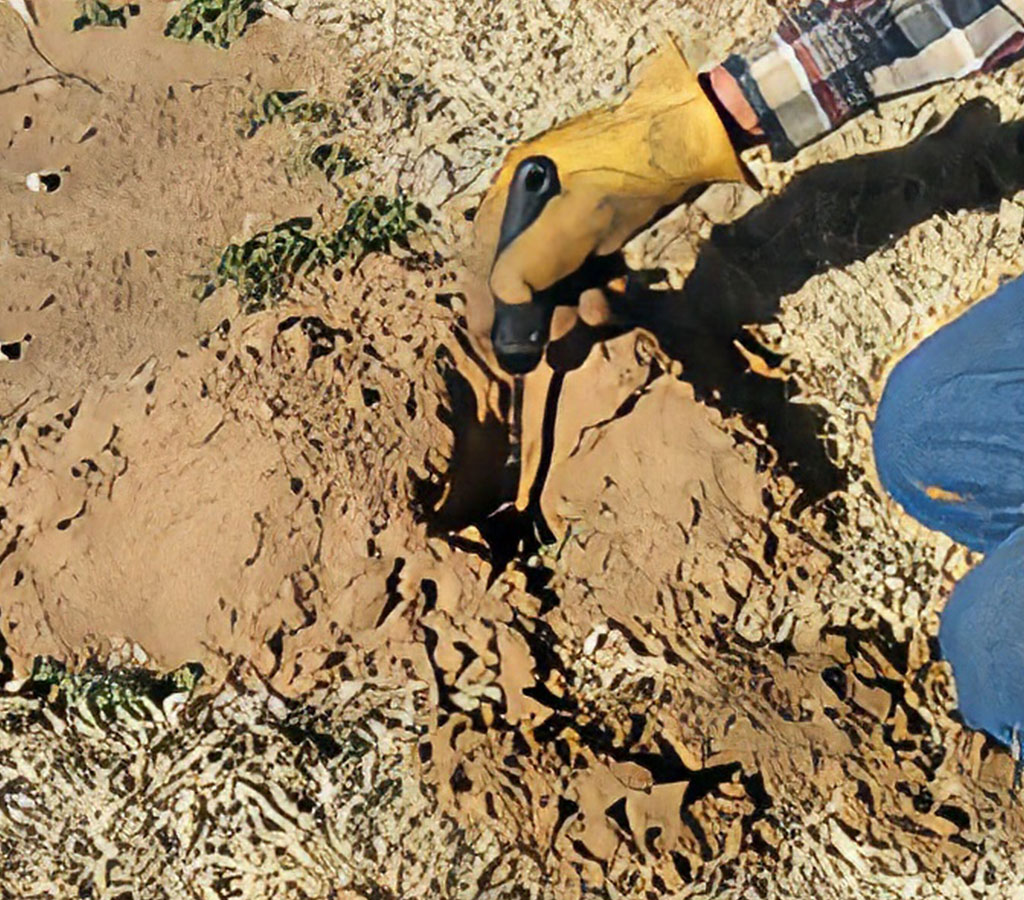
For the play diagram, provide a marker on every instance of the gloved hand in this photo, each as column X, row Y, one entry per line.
column 589, row 185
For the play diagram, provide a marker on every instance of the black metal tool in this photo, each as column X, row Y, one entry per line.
column 520, row 330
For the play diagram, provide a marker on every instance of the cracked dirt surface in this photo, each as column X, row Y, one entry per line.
column 718, row 677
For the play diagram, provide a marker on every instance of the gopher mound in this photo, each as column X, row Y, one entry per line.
column 281, row 612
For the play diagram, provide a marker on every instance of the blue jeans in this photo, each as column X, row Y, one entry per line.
column 949, row 447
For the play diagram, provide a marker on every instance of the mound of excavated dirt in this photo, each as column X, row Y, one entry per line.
column 687, row 650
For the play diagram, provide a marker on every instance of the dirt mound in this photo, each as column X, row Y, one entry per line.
column 247, row 423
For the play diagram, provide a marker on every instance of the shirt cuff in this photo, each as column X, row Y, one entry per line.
column 828, row 62
column 812, row 74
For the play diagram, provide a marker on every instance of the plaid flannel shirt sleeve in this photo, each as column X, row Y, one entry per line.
column 826, row 63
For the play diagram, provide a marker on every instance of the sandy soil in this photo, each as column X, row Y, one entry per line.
column 692, row 655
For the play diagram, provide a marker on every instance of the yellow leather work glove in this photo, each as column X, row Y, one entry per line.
column 615, row 169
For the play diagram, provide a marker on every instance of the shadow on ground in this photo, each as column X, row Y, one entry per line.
column 827, row 217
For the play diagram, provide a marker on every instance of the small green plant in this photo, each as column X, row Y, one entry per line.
column 107, row 689
column 266, row 265
column 216, row 22
column 335, row 159
column 330, row 156
column 294, row 108
column 98, row 13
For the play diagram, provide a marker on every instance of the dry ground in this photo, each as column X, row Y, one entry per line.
column 719, row 679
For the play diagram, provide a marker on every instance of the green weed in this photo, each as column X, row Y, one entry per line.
column 107, row 689
column 96, row 12
column 330, row 156
column 265, row 266
column 294, row 108
column 216, row 22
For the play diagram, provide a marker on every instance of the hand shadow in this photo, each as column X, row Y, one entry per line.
column 827, row 217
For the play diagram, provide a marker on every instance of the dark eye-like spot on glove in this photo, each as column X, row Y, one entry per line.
column 533, row 184
column 535, row 177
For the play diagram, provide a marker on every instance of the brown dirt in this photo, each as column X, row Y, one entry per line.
column 709, row 683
